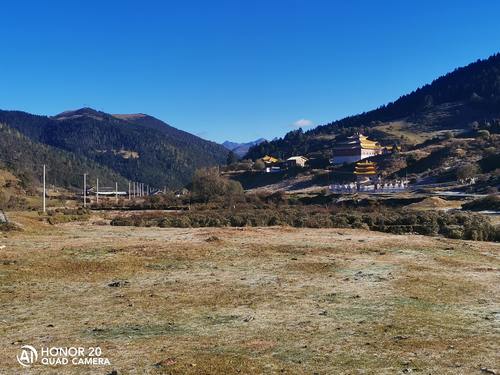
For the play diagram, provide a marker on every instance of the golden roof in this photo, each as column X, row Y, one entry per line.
column 365, row 172
column 365, row 167
column 359, row 140
column 370, row 145
column 269, row 159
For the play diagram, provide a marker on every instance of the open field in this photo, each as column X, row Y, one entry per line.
column 249, row 300
column 402, row 129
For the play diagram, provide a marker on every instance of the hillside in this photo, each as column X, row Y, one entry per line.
column 151, row 122
column 24, row 158
column 457, row 101
column 138, row 147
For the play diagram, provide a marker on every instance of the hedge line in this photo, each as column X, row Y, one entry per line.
column 453, row 225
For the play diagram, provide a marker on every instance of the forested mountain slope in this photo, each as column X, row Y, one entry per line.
column 452, row 102
column 24, row 158
column 140, row 148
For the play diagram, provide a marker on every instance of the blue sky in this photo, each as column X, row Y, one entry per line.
column 235, row 70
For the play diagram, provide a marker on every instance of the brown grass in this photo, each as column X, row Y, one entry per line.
column 256, row 300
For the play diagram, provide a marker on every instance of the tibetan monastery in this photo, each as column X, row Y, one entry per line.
column 355, row 148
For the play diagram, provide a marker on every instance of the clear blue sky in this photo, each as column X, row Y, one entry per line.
column 233, row 69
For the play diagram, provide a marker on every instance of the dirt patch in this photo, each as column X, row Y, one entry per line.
column 432, row 203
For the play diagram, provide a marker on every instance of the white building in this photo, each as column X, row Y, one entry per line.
column 296, row 161
column 355, row 148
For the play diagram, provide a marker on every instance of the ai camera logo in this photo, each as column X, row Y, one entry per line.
column 28, row 356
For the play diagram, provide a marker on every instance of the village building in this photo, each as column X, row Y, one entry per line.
column 275, row 169
column 182, row 192
column 105, row 191
column 355, row 148
column 270, row 160
column 296, row 161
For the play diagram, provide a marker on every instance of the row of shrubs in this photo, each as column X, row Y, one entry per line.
column 67, row 211
column 457, row 225
column 491, row 202
column 67, row 215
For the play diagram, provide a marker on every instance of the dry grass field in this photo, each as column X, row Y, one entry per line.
column 249, row 300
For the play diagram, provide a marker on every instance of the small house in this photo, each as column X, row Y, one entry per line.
column 296, row 161
column 181, row 193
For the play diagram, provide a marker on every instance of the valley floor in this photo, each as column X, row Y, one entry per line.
column 249, row 300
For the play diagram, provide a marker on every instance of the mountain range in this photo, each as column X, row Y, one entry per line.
column 241, row 149
column 139, row 147
column 119, row 147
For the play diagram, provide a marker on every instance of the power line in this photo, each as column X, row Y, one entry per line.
column 85, row 190
column 44, row 207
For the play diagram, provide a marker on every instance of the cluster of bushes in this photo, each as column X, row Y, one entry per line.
column 8, row 227
column 491, row 202
column 453, row 225
column 208, row 185
column 12, row 202
column 154, row 202
column 67, row 215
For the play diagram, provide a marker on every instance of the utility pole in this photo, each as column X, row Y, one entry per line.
column 116, row 192
column 129, row 190
column 97, row 191
column 44, row 208
column 85, row 190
